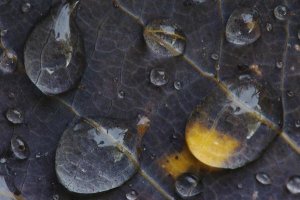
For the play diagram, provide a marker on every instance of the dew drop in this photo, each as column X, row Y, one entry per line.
column 240, row 186
column 25, row 7
column 215, row 56
column 2, row 160
column 281, row 12
column 297, row 124
column 15, row 116
column 8, row 61
column 263, row 178
column 121, row 94
column 279, row 64
column 132, row 195
column 269, row 27
column 165, row 38
column 188, row 185
column 290, row 93
column 242, row 27
column 158, row 77
column 55, row 197
column 177, row 85
column 54, row 53
column 293, row 185
column 19, row 147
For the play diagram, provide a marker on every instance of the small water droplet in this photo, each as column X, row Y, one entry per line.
column 293, row 185
column 19, row 147
column 281, row 12
column 215, row 56
column 2, row 160
column 121, row 94
column 188, row 185
column 242, row 27
column 177, row 85
column 132, row 195
column 269, row 27
column 25, row 7
column 290, row 93
column 297, row 123
column 165, row 38
column 158, row 77
column 263, row 178
column 15, row 116
column 55, row 197
column 3, row 32
column 8, row 61
column 240, row 186
column 279, row 64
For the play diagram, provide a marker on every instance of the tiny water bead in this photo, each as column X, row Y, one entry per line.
column 279, row 64
column 8, row 61
column 215, row 56
column 281, row 12
column 177, row 85
column 263, row 178
column 165, row 38
column 269, row 27
column 121, row 94
column 293, row 185
column 243, row 27
column 3, row 32
column 158, row 77
column 188, row 185
column 15, row 116
column 25, row 7
column 19, row 148
column 132, row 195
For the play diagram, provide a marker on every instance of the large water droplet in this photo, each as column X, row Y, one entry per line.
column 54, row 53
column 293, row 185
column 15, row 116
column 188, row 185
column 165, row 38
column 19, row 147
column 158, row 77
column 242, row 27
column 8, row 61
column 132, row 195
column 263, row 178
column 281, row 12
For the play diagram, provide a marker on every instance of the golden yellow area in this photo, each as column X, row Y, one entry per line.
column 210, row 146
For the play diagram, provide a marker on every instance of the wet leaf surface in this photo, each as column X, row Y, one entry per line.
column 116, row 84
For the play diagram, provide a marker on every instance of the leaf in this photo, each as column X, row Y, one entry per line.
column 119, row 62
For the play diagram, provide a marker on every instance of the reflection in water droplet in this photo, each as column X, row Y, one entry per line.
column 281, row 12
column 177, row 85
column 165, row 38
column 293, row 185
column 15, row 116
column 54, row 53
column 188, row 185
column 242, row 27
column 158, row 77
column 132, row 195
column 25, row 7
column 8, row 61
column 263, row 178
column 19, row 148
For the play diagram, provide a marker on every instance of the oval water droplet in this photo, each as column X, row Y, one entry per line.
column 15, row 116
column 132, row 195
column 8, row 61
column 293, row 185
column 165, row 38
column 158, row 77
column 25, row 7
column 54, row 53
column 243, row 27
column 177, row 85
column 281, row 12
column 19, row 147
column 263, row 178
column 188, row 185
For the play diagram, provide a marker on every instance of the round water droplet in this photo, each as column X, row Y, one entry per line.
column 297, row 124
column 281, row 12
column 19, row 148
column 165, row 38
column 215, row 56
column 55, row 197
column 15, row 116
column 54, row 53
column 293, row 185
column 132, row 195
column 279, row 64
column 121, row 94
column 290, row 93
column 8, row 61
column 242, row 27
column 240, row 186
column 188, row 185
column 158, row 77
column 25, row 7
column 2, row 160
column 177, row 85
column 3, row 32
column 263, row 178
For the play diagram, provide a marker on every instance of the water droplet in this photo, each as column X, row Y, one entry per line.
column 263, row 178
column 242, row 27
column 290, row 93
column 8, row 61
column 193, row 2
column 25, row 7
column 121, row 94
column 281, row 12
column 269, row 27
column 158, row 77
column 293, row 185
column 165, row 38
column 132, row 195
column 55, row 197
column 279, row 64
column 19, row 147
column 215, row 56
column 297, row 124
column 177, row 85
column 15, row 116
column 188, row 185
column 3, row 32
column 240, row 186
column 2, row 160
column 54, row 54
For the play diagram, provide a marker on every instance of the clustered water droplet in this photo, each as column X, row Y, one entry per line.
column 15, row 116
column 158, row 77
column 19, row 147
column 281, row 12
column 293, row 185
column 132, row 195
column 8, row 61
column 188, row 185
column 263, row 178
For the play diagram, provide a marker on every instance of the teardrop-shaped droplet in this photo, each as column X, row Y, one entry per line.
column 158, row 77
column 281, row 12
column 54, row 53
column 132, row 195
column 19, row 147
column 15, row 116
column 96, row 156
column 263, row 178
column 243, row 27
column 293, row 185
column 8, row 61
column 188, row 185
column 165, row 38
